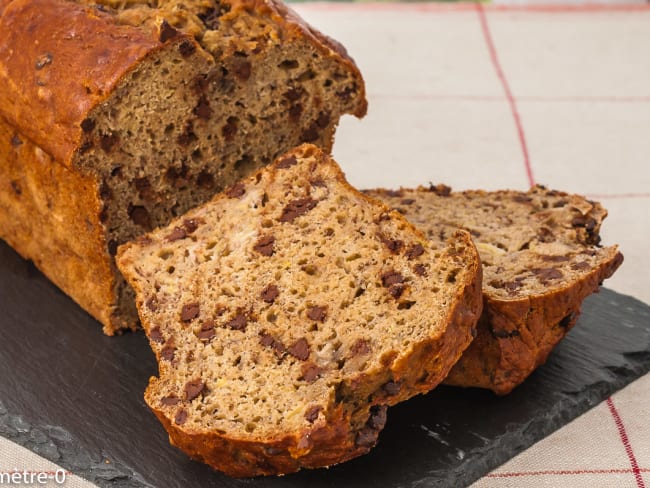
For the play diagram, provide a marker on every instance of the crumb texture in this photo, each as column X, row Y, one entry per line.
column 289, row 311
column 541, row 257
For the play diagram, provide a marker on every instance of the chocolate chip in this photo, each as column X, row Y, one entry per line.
column 187, row 48
column 317, row 313
column 580, row 266
column 190, row 225
column 166, row 32
column 560, row 203
column 202, row 109
column 177, row 234
column 170, row 400
column 311, row 134
column 555, row 259
column 238, row 322
column 366, row 437
column 168, row 352
column 392, row 388
column 286, row 162
column 440, row 190
column 318, row 183
column 420, row 270
column 300, row 349
column 181, row 417
column 193, row 389
column 415, row 251
column 377, row 418
column 390, row 278
column 295, row 111
column 323, row 120
column 207, row 331
column 264, row 245
column 15, row 141
column 521, row 198
column 293, row 94
column 268, row 340
column 43, row 60
column 297, row 208
column 310, row 372
column 396, row 291
column 155, row 335
column 229, row 131
column 312, row 413
column 393, row 245
column 140, row 216
column 270, row 293
column 547, row 274
column 107, row 141
column 236, row 191
column 360, row 347
column 241, row 68
column 190, row 311
column 87, row 125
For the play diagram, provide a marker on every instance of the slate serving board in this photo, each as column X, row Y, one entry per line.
column 74, row 396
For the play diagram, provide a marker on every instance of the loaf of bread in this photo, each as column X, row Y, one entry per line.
column 287, row 313
column 116, row 116
column 540, row 258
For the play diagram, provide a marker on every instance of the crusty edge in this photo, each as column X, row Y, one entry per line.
column 524, row 332
column 333, row 441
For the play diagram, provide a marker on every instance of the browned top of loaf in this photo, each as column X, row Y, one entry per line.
column 287, row 308
column 59, row 59
column 532, row 242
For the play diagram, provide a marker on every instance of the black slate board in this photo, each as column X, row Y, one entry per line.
column 74, row 396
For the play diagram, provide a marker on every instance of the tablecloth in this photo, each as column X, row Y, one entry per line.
column 489, row 96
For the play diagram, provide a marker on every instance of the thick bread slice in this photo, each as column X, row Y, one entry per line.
column 290, row 311
column 540, row 258
column 147, row 109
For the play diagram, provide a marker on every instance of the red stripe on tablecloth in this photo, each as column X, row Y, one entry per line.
column 516, row 474
column 626, row 443
column 467, row 7
column 506, row 88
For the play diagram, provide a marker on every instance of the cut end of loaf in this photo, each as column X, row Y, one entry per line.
column 290, row 311
column 541, row 258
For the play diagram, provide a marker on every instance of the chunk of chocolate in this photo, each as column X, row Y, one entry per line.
column 166, row 32
column 238, row 322
column 300, row 349
column 297, row 208
column 393, row 245
column 317, row 313
column 287, row 162
column 264, row 245
column 207, row 331
column 270, row 293
column 312, row 413
column 360, row 347
column 177, row 234
column 170, row 400
column 310, row 372
column 390, row 278
column 236, row 191
column 415, row 251
column 193, row 389
column 190, row 311
column 187, row 48
column 155, row 335
column 392, row 388
column 168, row 352
column 181, row 416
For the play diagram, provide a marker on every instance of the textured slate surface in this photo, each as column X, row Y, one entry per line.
column 75, row 396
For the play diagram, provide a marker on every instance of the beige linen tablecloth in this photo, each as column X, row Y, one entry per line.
column 496, row 97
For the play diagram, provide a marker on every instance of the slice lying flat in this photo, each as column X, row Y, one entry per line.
column 540, row 258
column 287, row 314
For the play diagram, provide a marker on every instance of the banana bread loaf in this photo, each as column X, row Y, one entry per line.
column 540, row 258
column 287, row 313
column 117, row 116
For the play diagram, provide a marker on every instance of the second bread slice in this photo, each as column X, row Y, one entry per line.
column 290, row 311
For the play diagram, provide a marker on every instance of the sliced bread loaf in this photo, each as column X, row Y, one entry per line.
column 540, row 258
column 287, row 314
column 146, row 109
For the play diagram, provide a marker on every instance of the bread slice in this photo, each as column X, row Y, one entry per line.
column 146, row 109
column 540, row 258
column 287, row 314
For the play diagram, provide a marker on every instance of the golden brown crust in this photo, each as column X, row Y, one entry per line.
column 49, row 214
column 517, row 336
